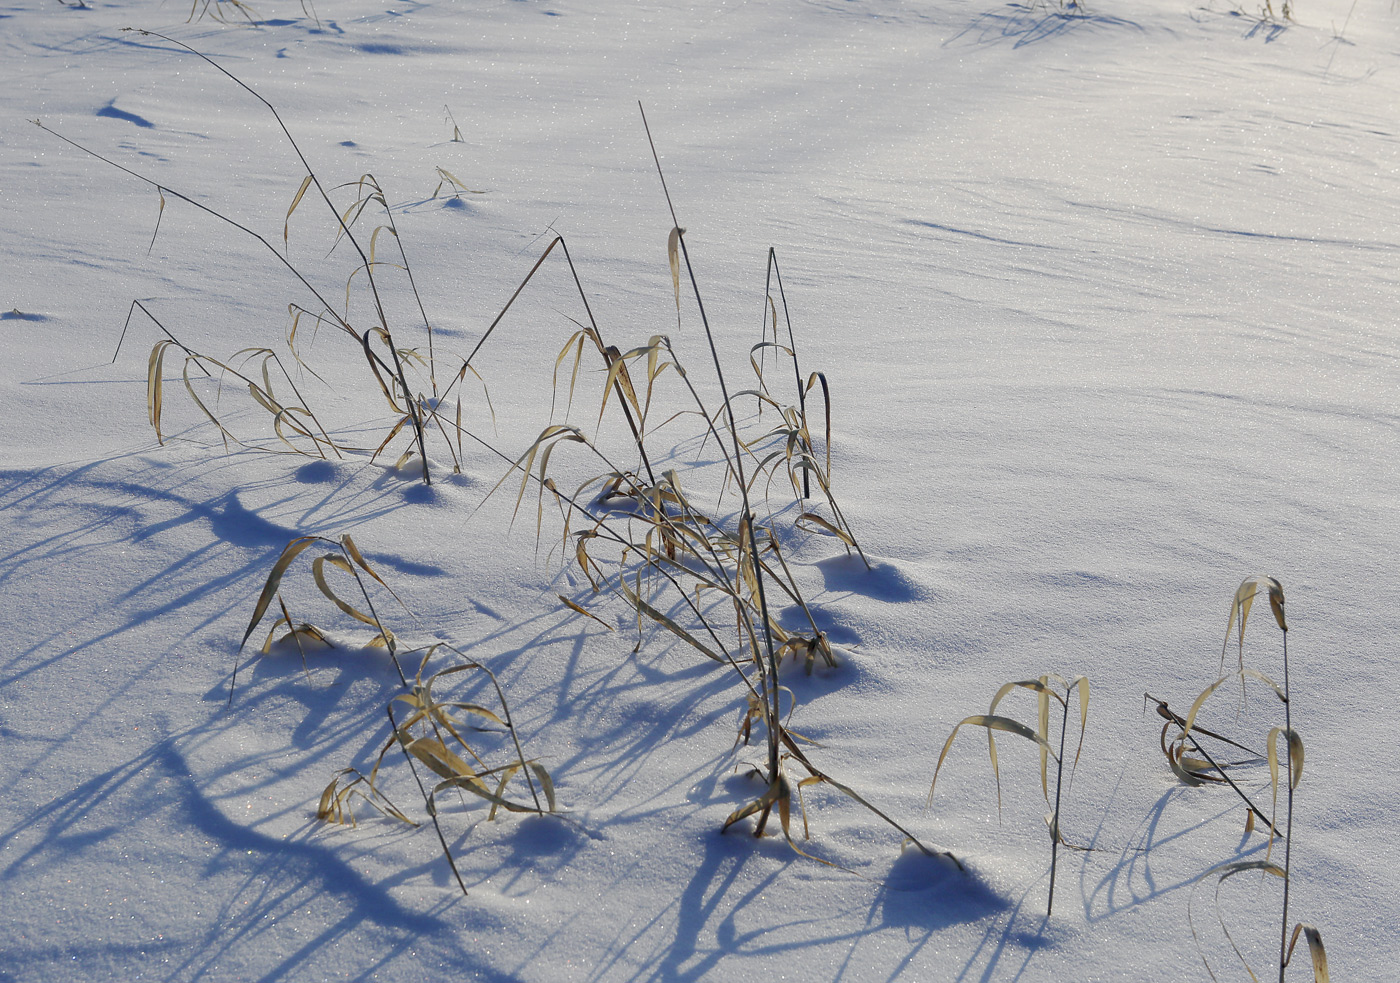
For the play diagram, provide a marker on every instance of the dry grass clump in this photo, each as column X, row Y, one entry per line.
column 1206, row 769
column 641, row 530
column 706, row 576
column 431, row 731
column 638, row 532
column 407, row 379
column 1046, row 688
column 702, row 577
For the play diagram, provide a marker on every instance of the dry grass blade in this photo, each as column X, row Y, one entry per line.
column 525, row 463
column 1315, row 950
column 643, row 608
column 287, row 222
column 1250, row 588
column 674, row 257
column 991, row 723
column 476, row 786
column 583, row 611
column 354, row 552
column 574, row 347
column 1045, row 692
column 274, row 579
column 777, row 791
column 809, row 520
column 761, row 349
column 154, row 369
column 621, row 379
column 298, row 634
column 1295, row 766
column 159, row 215
column 318, row 572
column 1042, row 690
column 820, row 377
column 1081, row 683
column 1295, row 756
column 455, row 186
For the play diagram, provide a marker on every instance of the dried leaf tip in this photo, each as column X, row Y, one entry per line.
column 673, row 245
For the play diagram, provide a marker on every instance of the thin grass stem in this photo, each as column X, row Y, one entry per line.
column 1288, row 835
column 427, row 802
column 1055, row 833
column 792, row 344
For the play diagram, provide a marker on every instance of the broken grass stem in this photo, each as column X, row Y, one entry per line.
column 1176, row 719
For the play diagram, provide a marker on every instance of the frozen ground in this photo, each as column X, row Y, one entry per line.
column 1106, row 298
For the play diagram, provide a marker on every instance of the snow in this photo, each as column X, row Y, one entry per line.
column 1105, row 299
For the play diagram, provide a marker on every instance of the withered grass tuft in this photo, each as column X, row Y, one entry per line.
column 430, row 730
column 416, row 408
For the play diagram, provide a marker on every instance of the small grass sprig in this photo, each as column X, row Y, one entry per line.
column 1048, row 687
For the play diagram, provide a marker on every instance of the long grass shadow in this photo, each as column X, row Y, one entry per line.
column 122, row 810
column 81, row 516
column 1135, row 863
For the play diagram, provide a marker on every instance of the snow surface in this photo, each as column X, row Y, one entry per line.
column 1106, row 300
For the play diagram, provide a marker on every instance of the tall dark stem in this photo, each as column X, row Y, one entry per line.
column 1288, row 834
column 1055, row 831
column 774, row 710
